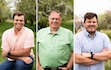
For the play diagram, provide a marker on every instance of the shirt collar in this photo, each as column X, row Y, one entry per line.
column 57, row 33
column 19, row 31
column 87, row 34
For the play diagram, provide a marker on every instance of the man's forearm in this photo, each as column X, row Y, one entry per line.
column 70, row 63
column 79, row 59
column 39, row 67
column 21, row 53
column 102, row 56
column 38, row 62
column 27, row 60
column 15, row 57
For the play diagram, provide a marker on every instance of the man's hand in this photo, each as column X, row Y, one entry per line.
column 63, row 68
column 27, row 60
column 4, row 54
column 105, row 49
column 40, row 67
column 88, row 55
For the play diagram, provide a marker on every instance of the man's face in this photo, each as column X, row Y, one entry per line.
column 54, row 20
column 18, row 22
column 91, row 25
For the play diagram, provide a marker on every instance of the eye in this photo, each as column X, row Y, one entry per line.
column 52, row 18
column 88, row 21
column 16, row 20
column 94, row 22
column 21, row 20
column 57, row 19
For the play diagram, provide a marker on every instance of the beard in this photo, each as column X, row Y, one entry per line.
column 91, row 32
column 91, row 29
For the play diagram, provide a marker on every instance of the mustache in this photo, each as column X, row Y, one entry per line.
column 91, row 26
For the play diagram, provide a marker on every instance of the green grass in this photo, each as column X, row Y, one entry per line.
column 6, row 25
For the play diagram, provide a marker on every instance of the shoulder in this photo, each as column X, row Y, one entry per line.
column 28, row 30
column 8, row 31
column 42, row 30
column 66, row 30
column 79, row 34
column 102, row 34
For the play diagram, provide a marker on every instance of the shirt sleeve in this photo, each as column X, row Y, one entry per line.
column 29, row 42
column 106, row 42
column 5, row 45
column 71, row 40
column 77, row 45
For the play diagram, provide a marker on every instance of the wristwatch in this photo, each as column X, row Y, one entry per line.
column 8, row 54
column 92, row 54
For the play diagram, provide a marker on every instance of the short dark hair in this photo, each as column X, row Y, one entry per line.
column 18, row 13
column 57, row 11
column 90, row 15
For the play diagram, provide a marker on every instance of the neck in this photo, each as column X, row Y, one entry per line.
column 17, row 30
column 92, row 34
column 54, row 30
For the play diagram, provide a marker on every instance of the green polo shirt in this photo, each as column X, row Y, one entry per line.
column 54, row 49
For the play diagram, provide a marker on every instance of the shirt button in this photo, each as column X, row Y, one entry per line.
column 51, row 50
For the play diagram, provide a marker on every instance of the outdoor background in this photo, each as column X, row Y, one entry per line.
column 34, row 9
column 43, row 7
column 64, row 6
column 103, row 10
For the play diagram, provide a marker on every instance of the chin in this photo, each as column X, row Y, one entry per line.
column 91, row 32
column 19, row 28
column 54, row 27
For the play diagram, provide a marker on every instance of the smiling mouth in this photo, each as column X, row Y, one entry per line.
column 18, row 25
column 54, row 23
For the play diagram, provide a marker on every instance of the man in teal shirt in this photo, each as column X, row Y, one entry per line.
column 55, row 45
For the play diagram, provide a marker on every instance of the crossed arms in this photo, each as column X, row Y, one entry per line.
column 85, row 58
column 80, row 59
column 101, row 56
column 22, row 54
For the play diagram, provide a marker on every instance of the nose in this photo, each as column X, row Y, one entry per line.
column 91, row 23
column 18, row 21
column 55, row 20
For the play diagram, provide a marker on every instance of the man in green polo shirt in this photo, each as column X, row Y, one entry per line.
column 55, row 45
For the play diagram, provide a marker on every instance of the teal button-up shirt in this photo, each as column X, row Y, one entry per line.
column 54, row 49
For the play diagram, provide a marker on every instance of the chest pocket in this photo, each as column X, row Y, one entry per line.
column 92, row 47
column 98, row 46
column 63, row 44
column 86, row 47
